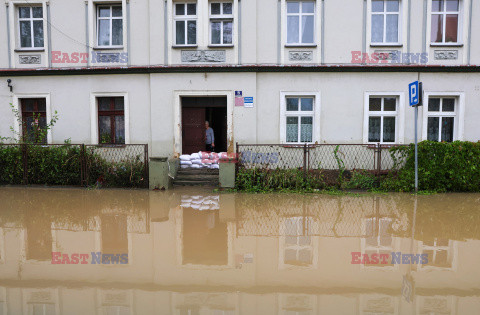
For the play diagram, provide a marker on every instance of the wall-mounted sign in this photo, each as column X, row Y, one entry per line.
column 248, row 102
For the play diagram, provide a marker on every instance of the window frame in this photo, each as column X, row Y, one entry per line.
column 18, row 107
column 100, row 5
column 384, row 13
column 221, row 18
column 300, row 14
column 315, row 113
column 452, row 253
column 31, row 19
column 458, row 128
column 185, row 18
column 94, row 123
column 24, row 114
column 111, row 113
column 444, row 13
column 399, row 114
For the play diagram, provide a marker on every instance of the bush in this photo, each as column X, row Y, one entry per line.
column 362, row 180
column 61, row 165
column 442, row 167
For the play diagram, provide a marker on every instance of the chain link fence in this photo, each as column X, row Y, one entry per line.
column 74, row 164
column 371, row 157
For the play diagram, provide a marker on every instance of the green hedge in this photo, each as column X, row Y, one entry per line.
column 442, row 167
column 61, row 165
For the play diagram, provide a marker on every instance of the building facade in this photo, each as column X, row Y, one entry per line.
column 270, row 71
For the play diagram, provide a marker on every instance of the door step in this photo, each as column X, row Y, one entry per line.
column 196, row 177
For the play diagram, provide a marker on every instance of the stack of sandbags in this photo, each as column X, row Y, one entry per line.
column 202, row 160
column 200, row 202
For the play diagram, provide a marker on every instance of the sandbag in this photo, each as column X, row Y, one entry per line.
column 185, row 157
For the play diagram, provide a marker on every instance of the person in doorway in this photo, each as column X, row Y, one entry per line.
column 209, row 138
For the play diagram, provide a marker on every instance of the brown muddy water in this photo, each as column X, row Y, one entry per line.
column 195, row 252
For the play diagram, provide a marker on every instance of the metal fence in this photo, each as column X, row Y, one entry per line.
column 371, row 157
column 74, row 164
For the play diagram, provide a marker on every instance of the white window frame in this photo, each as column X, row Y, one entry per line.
column 316, row 115
column 110, row 18
column 459, row 113
column 300, row 14
column 364, row 247
column 221, row 18
column 384, row 13
column 452, row 253
column 399, row 116
column 31, row 19
column 185, row 18
column 460, row 14
column 17, row 106
column 94, row 115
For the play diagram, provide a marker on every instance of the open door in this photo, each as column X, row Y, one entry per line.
column 193, row 130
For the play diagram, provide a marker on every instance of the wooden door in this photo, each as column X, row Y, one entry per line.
column 193, row 130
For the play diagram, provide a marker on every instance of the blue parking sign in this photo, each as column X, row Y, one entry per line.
column 415, row 93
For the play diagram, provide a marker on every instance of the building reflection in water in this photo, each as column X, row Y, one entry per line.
column 196, row 252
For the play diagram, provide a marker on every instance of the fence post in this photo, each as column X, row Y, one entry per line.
column 25, row 163
column 83, row 167
column 379, row 158
column 145, row 165
column 305, row 161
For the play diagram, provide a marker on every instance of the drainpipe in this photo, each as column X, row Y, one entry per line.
column 129, row 58
column 239, row 32
column 165, row 36
column 322, row 40
column 469, row 51
column 409, row 22
column 8, row 36
column 364, row 30
column 87, row 44
column 424, row 27
column 279, row 31
column 49, row 34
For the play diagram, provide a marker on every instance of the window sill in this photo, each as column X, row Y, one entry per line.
column 300, row 46
column 295, row 145
column 22, row 50
column 107, row 145
column 184, row 46
column 445, row 45
column 386, row 45
column 220, row 46
column 373, row 145
column 108, row 48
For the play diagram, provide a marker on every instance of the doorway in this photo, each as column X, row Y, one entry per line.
column 197, row 110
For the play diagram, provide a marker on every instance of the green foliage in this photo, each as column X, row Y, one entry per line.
column 340, row 164
column 442, row 167
column 265, row 180
column 61, row 165
column 362, row 180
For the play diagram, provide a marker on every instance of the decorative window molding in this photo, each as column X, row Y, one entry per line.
column 94, row 127
column 382, row 13
column 371, row 110
column 184, row 19
column 93, row 11
column 458, row 114
column 314, row 114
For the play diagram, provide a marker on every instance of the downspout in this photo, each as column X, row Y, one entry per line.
column 49, row 34
column 364, row 30
column 129, row 57
column 239, row 32
column 469, row 51
column 165, row 37
column 322, row 40
column 279, row 31
column 424, row 26
column 409, row 22
column 8, row 36
column 87, row 44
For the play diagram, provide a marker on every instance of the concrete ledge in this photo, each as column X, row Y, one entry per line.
column 227, row 175
column 158, row 170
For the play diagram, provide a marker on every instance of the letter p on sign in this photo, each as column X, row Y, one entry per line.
column 415, row 93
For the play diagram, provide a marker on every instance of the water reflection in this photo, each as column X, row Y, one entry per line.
column 192, row 251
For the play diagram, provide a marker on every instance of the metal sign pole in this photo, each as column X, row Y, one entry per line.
column 416, row 149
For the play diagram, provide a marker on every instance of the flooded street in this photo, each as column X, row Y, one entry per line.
column 190, row 251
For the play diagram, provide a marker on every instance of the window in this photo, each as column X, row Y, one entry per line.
column 116, row 310
column 377, row 238
column 41, row 309
column 221, row 23
column 34, row 119
column 299, row 122
column 382, row 119
column 109, row 25
column 385, row 21
column 297, row 250
column 439, row 253
column 30, row 27
column 185, row 23
column 300, row 22
column 445, row 17
column 111, row 120
column 441, row 119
